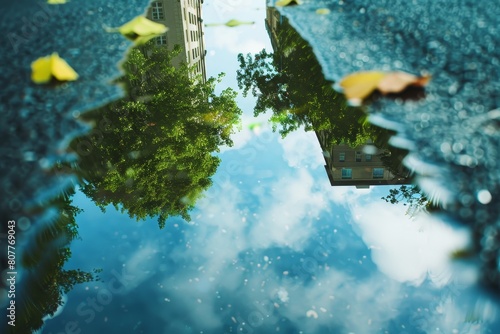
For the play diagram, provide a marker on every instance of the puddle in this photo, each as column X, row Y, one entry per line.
column 175, row 200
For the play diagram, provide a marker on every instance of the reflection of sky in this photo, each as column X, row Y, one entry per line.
column 272, row 248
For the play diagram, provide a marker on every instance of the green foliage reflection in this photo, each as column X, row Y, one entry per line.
column 45, row 279
column 153, row 153
column 290, row 83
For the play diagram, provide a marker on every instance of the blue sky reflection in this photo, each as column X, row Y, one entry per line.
column 272, row 248
column 291, row 254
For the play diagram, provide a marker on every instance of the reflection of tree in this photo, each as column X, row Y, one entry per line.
column 44, row 279
column 153, row 156
column 411, row 196
column 392, row 158
column 290, row 83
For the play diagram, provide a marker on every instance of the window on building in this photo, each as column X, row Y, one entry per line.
column 161, row 40
column 358, row 156
column 157, row 10
column 378, row 173
column 346, row 173
column 342, row 156
column 368, row 157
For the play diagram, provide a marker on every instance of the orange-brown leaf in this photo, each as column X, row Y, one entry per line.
column 361, row 84
column 396, row 82
column 357, row 86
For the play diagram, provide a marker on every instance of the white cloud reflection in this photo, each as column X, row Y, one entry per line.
column 226, row 269
column 301, row 149
column 287, row 213
column 409, row 250
column 344, row 303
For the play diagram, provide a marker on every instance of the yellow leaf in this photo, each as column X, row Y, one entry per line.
column 282, row 3
column 359, row 85
column 61, row 70
column 395, row 82
column 41, row 70
column 140, row 29
column 56, row 2
column 46, row 68
column 322, row 11
column 230, row 23
column 235, row 23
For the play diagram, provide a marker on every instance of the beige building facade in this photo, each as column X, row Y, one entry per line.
column 360, row 166
column 185, row 28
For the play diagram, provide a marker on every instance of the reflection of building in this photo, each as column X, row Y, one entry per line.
column 344, row 165
column 273, row 21
column 361, row 166
column 185, row 28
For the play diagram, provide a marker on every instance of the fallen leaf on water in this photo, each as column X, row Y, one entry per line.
column 56, row 2
column 395, row 82
column 359, row 85
column 140, row 29
column 46, row 68
column 322, row 11
column 235, row 23
column 230, row 23
column 283, row 3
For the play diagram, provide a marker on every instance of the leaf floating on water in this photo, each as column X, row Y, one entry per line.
column 395, row 82
column 140, row 29
column 322, row 11
column 283, row 3
column 46, row 68
column 57, row 2
column 359, row 85
column 235, row 23
column 230, row 23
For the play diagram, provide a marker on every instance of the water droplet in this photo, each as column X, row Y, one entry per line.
column 29, row 156
column 23, row 223
column 457, row 147
column 452, row 90
column 484, row 196
column 398, row 64
column 370, row 149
